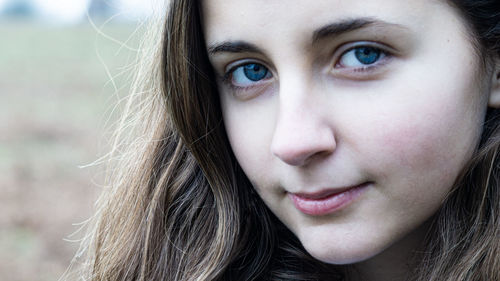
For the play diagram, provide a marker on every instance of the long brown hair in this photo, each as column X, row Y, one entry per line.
column 178, row 206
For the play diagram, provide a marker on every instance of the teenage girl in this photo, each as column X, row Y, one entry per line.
column 309, row 140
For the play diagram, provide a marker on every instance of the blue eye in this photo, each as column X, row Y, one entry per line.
column 248, row 74
column 367, row 55
column 255, row 72
column 361, row 56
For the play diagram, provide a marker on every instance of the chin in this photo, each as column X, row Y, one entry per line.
column 343, row 252
column 342, row 257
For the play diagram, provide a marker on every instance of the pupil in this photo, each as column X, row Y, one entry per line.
column 255, row 72
column 367, row 55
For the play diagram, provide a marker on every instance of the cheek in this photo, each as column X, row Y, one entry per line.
column 249, row 128
column 418, row 149
column 411, row 146
column 424, row 129
column 420, row 164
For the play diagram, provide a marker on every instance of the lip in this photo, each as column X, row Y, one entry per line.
column 326, row 201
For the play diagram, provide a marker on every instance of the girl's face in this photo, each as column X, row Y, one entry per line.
column 352, row 119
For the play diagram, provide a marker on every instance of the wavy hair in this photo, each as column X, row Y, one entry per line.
column 179, row 207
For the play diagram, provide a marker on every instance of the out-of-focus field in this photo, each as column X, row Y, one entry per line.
column 55, row 99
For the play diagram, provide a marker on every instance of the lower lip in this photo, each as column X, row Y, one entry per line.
column 329, row 204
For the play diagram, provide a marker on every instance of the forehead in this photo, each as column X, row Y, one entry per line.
column 231, row 19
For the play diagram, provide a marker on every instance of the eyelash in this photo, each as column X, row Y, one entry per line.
column 382, row 60
column 228, row 76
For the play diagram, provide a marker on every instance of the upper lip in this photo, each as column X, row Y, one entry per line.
column 327, row 192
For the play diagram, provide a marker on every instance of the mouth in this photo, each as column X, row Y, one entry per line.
column 327, row 201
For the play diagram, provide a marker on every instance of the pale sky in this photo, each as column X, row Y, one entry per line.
column 66, row 11
column 74, row 10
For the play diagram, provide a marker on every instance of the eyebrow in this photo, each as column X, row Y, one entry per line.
column 234, row 47
column 344, row 26
column 327, row 31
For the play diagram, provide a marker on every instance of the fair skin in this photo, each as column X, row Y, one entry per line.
column 374, row 99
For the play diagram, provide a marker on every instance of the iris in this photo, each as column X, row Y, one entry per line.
column 367, row 55
column 255, row 72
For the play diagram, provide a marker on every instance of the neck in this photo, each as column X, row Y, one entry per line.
column 386, row 267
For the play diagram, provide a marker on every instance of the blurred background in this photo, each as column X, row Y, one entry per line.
column 64, row 65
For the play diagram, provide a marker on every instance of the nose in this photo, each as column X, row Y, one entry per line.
column 302, row 132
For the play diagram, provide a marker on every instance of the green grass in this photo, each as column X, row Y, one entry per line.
column 61, row 76
column 55, row 96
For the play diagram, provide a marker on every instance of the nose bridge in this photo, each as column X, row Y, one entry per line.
column 302, row 130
